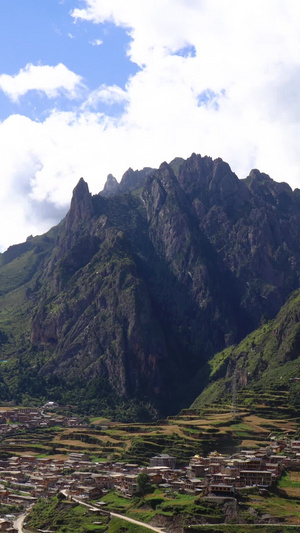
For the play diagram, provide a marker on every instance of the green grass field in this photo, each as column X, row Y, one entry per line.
column 63, row 517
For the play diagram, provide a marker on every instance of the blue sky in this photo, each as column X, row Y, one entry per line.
column 43, row 32
column 91, row 87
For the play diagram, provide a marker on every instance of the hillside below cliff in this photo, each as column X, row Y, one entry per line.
column 262, row 367
column 126, row 300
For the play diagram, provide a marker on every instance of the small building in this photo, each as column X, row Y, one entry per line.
column 221, row 489
column 50, row 405
column 163, row 459
column 256, row 477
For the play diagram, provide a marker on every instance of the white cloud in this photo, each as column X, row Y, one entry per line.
column 246, row 54
column 235, row 96
column 96, row 42
column 44, row 78
column 108, row 94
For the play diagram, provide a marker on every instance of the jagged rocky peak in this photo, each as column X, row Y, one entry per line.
column 195, row 173
column 131, row 181
column 210, row 183
column 139, row 290
column 258, row 182
column 81, row 189
column 176, row 165
column 111, row 186
column 221, row 170
column 167, row 176
column 222, row 178
column 256, row 176
column 128, row 178
column 266, row 189
column 134, row 179
column 81, row 209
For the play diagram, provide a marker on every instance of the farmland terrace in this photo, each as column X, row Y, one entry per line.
column 247, row 459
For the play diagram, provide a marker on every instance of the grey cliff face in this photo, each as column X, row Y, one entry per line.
column 144, row 282
column 111, row 186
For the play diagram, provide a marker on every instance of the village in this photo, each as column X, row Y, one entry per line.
column 25, row 478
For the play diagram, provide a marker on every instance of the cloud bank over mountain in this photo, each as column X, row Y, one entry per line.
column 212, row 77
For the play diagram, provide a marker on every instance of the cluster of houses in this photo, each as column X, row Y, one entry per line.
column 28, row 418
column 218, row 474
column 26, row 478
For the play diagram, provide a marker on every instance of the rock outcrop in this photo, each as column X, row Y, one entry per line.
column 141, row 284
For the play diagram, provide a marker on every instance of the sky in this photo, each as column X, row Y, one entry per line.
column 92, row 87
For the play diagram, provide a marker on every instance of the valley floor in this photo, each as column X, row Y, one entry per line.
column 232, row 474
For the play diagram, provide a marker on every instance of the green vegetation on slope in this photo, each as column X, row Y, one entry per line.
column 64, row 517
column 116, row 526
column 266, row 362
column 243, row 528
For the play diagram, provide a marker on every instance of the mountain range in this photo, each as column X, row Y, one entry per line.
column 129, row 298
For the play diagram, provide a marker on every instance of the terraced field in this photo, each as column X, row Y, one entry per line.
column 192, row 431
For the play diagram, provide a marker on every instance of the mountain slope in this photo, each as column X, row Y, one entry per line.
column 266, row 361
column 141, row 284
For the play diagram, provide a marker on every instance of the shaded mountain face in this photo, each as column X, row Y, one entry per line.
column 264, row 367
column 140, row 285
